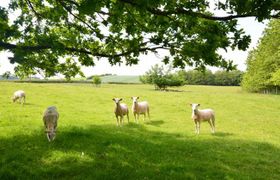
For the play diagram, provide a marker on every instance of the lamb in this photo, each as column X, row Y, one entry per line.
column 120, row 111
column 140, row 108
column 199, row 116
column 50, row 119
column 20, row 94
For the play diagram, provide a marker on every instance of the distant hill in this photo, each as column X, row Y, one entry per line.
column 120, row 79
column 10, row 78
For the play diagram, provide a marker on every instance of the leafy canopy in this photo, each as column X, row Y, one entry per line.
column 48, row 31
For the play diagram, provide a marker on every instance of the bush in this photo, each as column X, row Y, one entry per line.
column 161, row 78
column 96, row 80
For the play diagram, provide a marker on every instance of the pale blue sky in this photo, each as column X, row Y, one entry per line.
column 102, row 66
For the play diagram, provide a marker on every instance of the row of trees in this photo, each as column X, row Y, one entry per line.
column 163, row 77
column 263, row 63
column 219, row 78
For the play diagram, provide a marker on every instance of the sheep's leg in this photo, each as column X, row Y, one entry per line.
column 195, row 127
column 137, row 118
column 134, row 114
column 144, row 117
column 121, row 119
column 213, row 124
column 198, row 127
column 127, row 117
column 117, row 120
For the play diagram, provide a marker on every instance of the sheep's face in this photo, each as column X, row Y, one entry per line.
column 134, row 99
column 117, row 100
column 14, row 99
column 194, row 106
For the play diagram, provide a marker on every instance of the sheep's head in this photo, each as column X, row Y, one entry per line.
column 50, row 134
column 194, row 106
column 14, row 98
column 134, row 99
column 117, row 100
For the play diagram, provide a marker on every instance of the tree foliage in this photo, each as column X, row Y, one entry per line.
column 120, row 30
column 96, row 80
column 263, row 63
column 161, row 77
column 7, row 75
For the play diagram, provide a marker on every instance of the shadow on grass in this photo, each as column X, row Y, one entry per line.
column 108, row 152
column 222, row 134
column 155, row 123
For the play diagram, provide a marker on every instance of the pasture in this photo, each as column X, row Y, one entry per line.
column 89, row 145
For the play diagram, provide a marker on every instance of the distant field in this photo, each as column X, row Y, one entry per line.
column 90, row 146
column 110, row 79
column 120, row 79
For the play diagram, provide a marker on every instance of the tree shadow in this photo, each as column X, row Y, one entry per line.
column 108, row 152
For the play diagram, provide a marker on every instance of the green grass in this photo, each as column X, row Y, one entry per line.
column 90, row 146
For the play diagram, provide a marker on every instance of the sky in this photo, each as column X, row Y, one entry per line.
column 250, row 25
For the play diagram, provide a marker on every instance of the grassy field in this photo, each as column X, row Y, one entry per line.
column 90, row 146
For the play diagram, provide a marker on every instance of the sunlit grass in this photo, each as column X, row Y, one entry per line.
column 90, row 146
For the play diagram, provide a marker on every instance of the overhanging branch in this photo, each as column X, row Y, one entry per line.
column 36, row 48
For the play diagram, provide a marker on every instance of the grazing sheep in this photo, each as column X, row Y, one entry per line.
column 120, row 111
column 50, row 118
column 140, row 108
column 202, row 115
column 20, row 94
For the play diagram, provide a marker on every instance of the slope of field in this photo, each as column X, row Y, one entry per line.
column 120, row 79
column 90, row 146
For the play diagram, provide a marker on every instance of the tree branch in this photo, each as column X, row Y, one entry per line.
column 39, row 16
column 36, row 48
column 75, row 16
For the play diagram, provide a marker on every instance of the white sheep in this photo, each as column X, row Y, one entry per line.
column 120, row 111
column 199, row 116
column 50, row 118
column 20, row 94
column 140, row 108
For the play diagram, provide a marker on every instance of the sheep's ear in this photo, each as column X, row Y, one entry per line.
column 120, row 99
column 198, row 104
column 138, row 97
column 190, row 104
column 131, row 97
column 113, row 99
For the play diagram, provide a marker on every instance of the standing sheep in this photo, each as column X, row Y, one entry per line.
column 50, row 119
column 140, row 108
column 120, row 111
column 199, row 116
column 20, row 94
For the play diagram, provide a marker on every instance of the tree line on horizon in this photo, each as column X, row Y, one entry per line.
column 162, row 77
